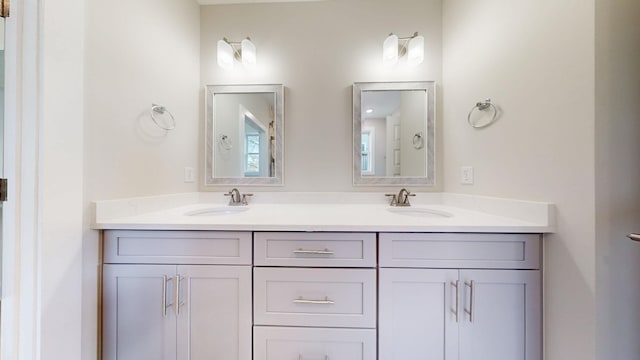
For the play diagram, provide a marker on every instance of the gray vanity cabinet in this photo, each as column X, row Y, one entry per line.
column 196, row 295
column 176, row 311
column 436, row 302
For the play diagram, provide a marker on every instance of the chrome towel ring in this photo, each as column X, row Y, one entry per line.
column 157, row 110
column 483, row 106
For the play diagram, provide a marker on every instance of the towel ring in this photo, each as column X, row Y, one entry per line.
column 225, row 143
column 159, row 109
column 418, row 140
column 482, row 106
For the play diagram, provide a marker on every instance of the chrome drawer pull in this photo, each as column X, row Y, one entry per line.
column 326, row 357
column 314, row 252
column 326, row 301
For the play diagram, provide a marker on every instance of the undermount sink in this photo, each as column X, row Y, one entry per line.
column 419, row 212
column 217, row 211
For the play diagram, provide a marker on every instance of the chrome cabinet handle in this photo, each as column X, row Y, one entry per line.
column 634, row 237
column 165, row 285
column 456, row 285
column 471, row 286
column 326, row 301
column 164, row 295
column 314, row 252
column 177, row 302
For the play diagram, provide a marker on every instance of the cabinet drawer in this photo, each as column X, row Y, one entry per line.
column 315, row 297
column 492, row 251
column 282, row 343
column 177, row 247
column 315, row 249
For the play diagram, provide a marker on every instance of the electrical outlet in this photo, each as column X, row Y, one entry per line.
column 466, row 173
column 189, row 174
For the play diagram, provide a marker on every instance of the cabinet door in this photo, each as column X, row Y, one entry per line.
column 417, row 314
column 501, row 315
column 137, row 319
column 214, row 321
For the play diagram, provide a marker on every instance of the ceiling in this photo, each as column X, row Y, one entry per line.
column 383, row 103
column 218, row 2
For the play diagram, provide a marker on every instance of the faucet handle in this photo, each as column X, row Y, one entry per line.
column 244, row 199
column 394, row 199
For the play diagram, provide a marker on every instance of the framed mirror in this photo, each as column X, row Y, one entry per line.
column 244, row 135
column 394, row 133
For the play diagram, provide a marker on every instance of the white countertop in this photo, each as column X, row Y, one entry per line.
column 327, row 212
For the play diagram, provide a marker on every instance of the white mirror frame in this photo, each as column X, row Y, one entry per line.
column 211, row 91
column 429, row 179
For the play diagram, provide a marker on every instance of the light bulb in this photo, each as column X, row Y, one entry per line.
column 248, row 53
column 225, row 55
column 390, row 50
column 415, row 51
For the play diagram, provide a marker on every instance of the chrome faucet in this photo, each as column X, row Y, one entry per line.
column 400, row 199
column 237, row 199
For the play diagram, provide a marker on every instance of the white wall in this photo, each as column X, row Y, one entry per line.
column 148, row 53
column 60, row 180
column 617, row 178
column 318, row 50
column 535, row 60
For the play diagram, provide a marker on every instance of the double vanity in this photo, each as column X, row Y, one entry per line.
column 321, row 276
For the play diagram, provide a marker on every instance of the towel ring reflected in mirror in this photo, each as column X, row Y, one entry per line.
column 418, row 140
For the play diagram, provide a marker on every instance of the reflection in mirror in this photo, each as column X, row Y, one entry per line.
column 394, row 133
column 244, row 127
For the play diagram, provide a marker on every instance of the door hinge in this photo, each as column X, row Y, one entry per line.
column 4, row 8
column 3, row 190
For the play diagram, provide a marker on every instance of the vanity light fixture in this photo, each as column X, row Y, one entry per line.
column 369, row 111
column 243, row 51
column 395, row 47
